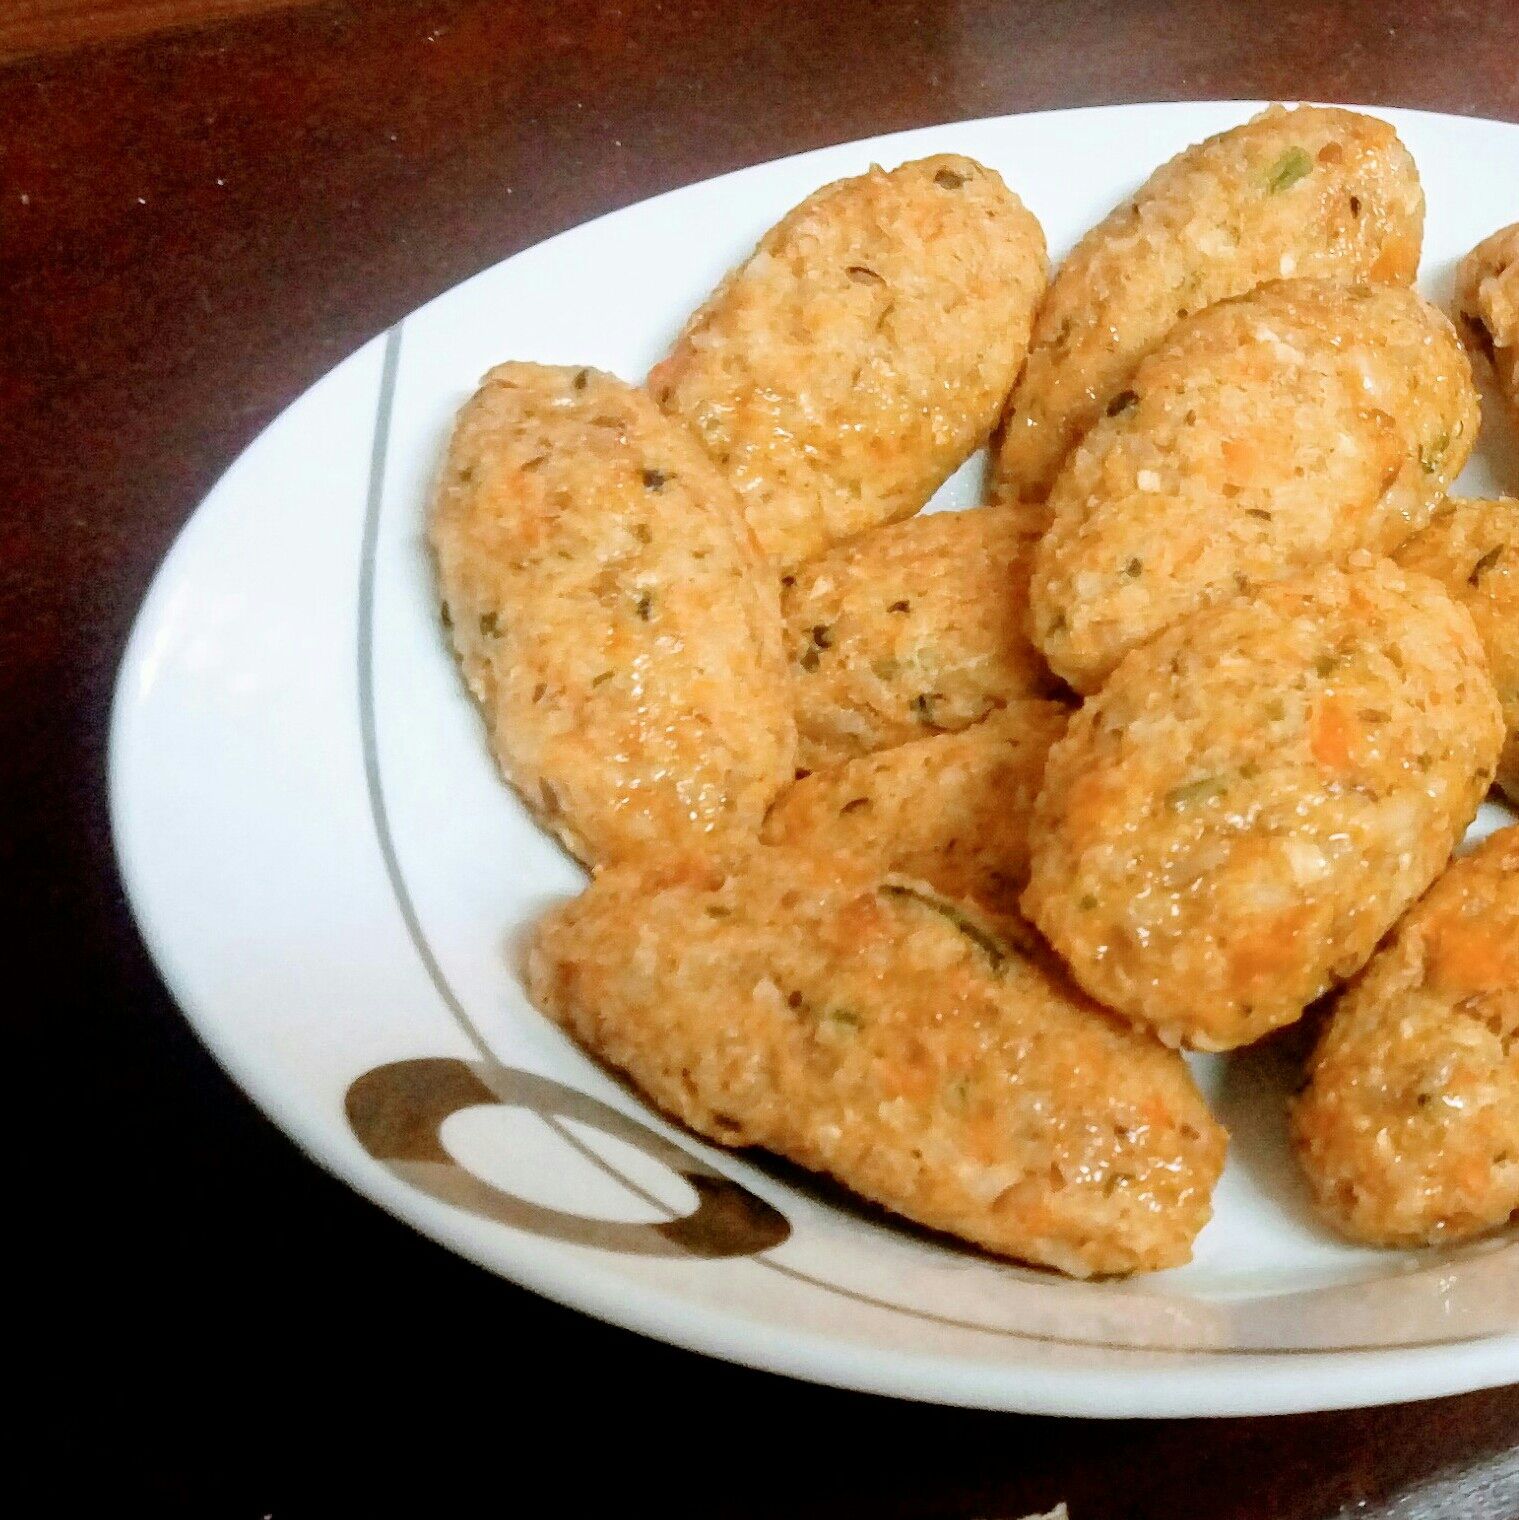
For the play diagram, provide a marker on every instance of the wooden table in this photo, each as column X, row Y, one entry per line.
column 194, row 225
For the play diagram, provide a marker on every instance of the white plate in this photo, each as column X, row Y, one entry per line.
column 329, row 875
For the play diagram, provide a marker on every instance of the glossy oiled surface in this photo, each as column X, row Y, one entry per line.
column 192, row 229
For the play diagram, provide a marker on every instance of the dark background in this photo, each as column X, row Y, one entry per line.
column 198, row 218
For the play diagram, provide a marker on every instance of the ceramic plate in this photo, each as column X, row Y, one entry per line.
column 331, row 878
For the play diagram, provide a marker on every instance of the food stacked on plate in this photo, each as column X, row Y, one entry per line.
column 923, row 845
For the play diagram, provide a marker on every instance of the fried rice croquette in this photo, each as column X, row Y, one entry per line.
column 1254, row 798
column 870, row 1029
column 951, row 810
column 1487, row 305
column 612, row 615
column 911, row 630
column 1280, row 430
column 1408, row 1130
column 1472, row 549
column 1313, row 192
column 864, row 350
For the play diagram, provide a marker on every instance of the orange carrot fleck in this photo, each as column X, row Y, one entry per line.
column 1473, row 955
column 1334, row 735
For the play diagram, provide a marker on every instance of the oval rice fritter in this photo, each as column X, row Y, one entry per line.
column 951, row 810
column 1487, row 306
column 612, row 615
column 1254, row 798
column 1472, row 549
column 1265, row 435
column 1313, row 192
column 864, row 350
column 1408, row 1130
column 867, row 1028
column 911, row 630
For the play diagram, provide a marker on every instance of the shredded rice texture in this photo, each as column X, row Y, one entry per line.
column 1313, row 192
column 911, row 630
column 952, row 810
column 1267, row 434
column 864, row 350
column 1408, row 1130
column 1487, row 305
column 868, row 1028
column 1255, row 797
column 612, row 615
column 1472, row 549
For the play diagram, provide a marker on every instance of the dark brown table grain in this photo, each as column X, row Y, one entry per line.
column 194, row 226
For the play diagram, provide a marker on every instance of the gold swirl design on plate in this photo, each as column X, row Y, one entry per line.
column 397, row 1112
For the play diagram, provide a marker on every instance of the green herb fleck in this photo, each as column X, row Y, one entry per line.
column 448, row 617
column 1259, row 512
column 1292, row 166
column 923, row 706
column 602, row 679
column 580, row 379
column 809, row 660
column 488, row 625
column 643, row 533
column 986, row 942
column 1433, row 453
column 1327, row 664
column 1133, row 569
column 1205, row 789
column 645, row 606
column 846, row 1016
column 1276, row 709
column 1086, row 902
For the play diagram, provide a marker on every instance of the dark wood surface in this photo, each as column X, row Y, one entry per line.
column 193, row 227
column 28, row 27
